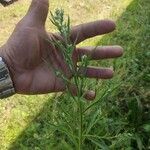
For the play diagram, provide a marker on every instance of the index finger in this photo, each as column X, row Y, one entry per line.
column 84, row 31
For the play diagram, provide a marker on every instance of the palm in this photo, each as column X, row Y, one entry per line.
column 30, row 71
column 27, row 49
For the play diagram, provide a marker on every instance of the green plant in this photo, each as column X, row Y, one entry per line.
column 67, row 48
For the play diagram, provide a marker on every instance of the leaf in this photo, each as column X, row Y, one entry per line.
column 99, row 143
column 93, row 121
column 146, row 127
column 139, row 142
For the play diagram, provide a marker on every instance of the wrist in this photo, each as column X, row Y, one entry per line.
column 3, row 54
column 6, row 84
column 5, row 57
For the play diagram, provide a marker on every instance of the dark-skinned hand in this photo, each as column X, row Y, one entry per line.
column 27, row 48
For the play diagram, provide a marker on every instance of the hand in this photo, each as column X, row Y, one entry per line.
column 27, row 48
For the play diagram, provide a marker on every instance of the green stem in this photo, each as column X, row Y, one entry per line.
column 80, row 125
column 80, row 109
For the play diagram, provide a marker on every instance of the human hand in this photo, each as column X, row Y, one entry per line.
column 27, row 48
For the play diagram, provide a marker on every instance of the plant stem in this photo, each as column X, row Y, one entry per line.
column 80, row 125
column 80, row 109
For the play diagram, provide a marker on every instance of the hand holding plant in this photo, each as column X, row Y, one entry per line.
column 42, row 62
column 27, row 46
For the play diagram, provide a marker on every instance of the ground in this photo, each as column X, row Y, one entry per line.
column 128, row 93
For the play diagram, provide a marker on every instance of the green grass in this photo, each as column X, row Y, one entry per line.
column 120, row 119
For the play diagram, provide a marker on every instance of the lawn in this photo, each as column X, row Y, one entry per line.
column 122, row 112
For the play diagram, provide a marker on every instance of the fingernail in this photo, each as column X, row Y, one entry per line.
column 90, row 95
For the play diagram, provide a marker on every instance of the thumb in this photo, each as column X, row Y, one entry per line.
column 38, row 12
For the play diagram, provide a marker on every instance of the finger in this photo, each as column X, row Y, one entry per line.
column 99, row 52
column 98, row 73
column 88, row 95
column 38, row 12
column 84, row 31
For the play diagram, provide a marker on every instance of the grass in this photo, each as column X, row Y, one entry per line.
column 120, row 120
